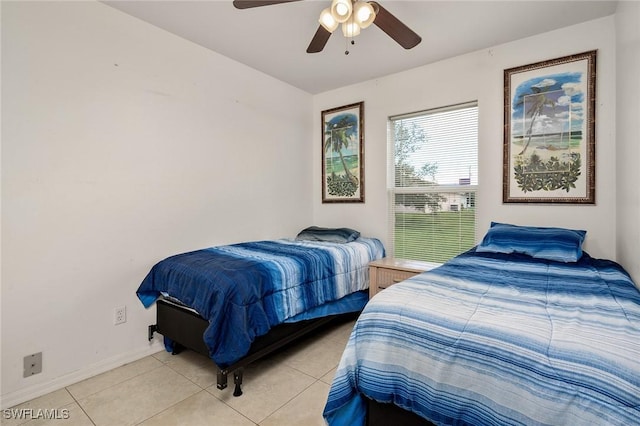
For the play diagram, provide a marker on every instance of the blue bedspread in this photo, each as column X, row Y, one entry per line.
column 245, row 289
column 494, row 339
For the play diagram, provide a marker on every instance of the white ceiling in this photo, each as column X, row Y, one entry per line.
column 273, row 39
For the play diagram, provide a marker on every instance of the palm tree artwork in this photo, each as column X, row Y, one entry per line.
column 341, row 150
column 538, row 101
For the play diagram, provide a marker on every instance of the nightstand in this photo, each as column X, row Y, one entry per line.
column 385, row 272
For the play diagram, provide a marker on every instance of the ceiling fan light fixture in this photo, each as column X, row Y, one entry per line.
column 363, row 14
column 350, row 29
column 328, row 21
column 341, row 10
column 354, row 15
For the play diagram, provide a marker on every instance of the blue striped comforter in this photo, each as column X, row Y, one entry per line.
column 496, row 339
column 245, row 289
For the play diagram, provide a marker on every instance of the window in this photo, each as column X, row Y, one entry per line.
column 433, row 170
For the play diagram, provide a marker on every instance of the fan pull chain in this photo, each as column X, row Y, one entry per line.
column 353, row 42
column 349, row 36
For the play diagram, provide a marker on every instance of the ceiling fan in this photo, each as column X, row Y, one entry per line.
column 353, row 15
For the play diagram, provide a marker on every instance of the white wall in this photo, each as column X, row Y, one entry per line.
column 479, row 76
column 123, row 144
column 628, row 129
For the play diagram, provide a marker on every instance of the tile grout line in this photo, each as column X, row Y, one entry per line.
column 202, row 389
column 80, row 405
column 292, row 398
column 111, row 386
column 124, row 381
column 166, row 364
column 225, row 403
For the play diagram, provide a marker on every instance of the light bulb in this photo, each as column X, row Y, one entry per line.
column 328, row 21
column 350, row 29
column 363, row 14
column 341, row 10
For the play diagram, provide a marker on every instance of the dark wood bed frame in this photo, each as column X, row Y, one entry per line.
column 379, row 414
column 186, row 328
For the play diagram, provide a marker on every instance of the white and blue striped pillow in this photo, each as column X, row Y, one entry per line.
column 558, row 244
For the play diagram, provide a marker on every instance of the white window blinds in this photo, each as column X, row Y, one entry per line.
column 433, row 175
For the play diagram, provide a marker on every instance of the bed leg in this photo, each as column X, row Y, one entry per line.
column 177, row 348
column 222, row 380
column 152, row 329
column 237, row 379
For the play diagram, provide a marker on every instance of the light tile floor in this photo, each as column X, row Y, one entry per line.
column 286, row 388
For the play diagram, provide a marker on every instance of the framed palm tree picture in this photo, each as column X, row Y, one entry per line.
column 549, row 131
column 343, row 154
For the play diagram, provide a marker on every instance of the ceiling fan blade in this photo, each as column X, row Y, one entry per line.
column 394, row 28
column 246, row 4
column 319, row 40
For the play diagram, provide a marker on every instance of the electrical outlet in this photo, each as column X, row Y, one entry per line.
column 32, row 364
column 120, row 315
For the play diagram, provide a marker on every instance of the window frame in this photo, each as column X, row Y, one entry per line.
column 392, row 190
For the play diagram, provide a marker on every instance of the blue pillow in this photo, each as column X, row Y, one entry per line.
column 331, row 235
column 558, row 244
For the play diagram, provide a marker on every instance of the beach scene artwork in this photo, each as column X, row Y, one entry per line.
column 548, row 149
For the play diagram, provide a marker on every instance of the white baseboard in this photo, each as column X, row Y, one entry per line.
column 30, row 392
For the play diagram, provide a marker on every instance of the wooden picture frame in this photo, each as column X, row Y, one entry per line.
column 549, row 131
column 343, row 154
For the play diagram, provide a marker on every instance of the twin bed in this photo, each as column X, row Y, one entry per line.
column 236, row 303
column 523, row 329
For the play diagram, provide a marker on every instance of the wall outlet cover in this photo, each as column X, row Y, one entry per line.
column 32, row 364
column 120, row 315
